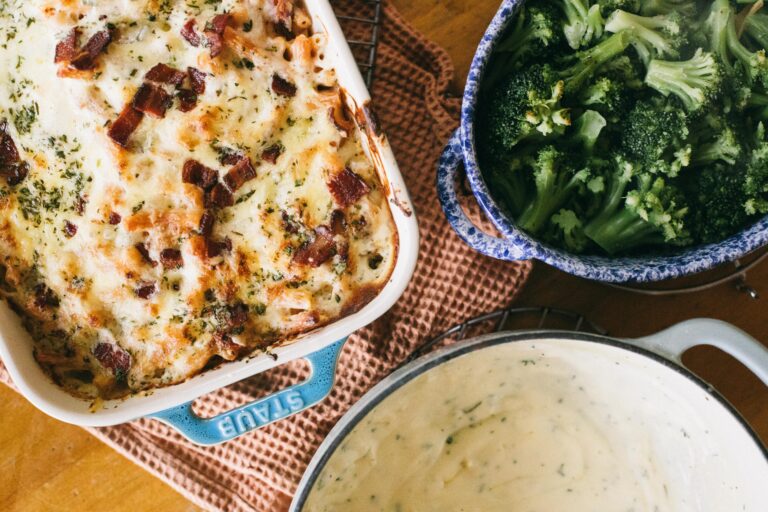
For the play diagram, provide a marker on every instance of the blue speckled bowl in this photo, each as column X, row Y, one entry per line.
column 517, row 245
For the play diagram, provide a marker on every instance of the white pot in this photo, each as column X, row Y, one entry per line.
column 734, row 479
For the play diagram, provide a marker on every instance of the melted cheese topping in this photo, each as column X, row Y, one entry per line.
column 108, row 320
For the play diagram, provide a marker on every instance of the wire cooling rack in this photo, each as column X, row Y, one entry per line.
column 510, row 319
column 362, row 30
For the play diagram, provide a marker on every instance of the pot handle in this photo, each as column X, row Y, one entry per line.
column 476, row 238
column 259, row 413
column 674, row 341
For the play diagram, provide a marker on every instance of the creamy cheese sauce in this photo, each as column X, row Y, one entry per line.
column 527, row 427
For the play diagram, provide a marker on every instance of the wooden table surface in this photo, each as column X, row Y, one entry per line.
column 47, row 465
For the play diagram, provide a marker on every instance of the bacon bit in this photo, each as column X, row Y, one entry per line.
column 171, row 258
column 289, row 225
column 80, row 204
column 272, row 153
column 86, row 59
column 189, row 33
column 206, row 224
column 238, row 315
column 113, row 358
column 125, row 124
column 146, row 290
column 152, row 100
column 66, row 50
column 44, row 297
column 114, row 218
column 283, row 31
column 318, row 251
column 283, row 87
column 165, row 75
column 214, row 248
column 284, row 12
column 219, row 197
column 70, row 229
column 16, row 174
column 226, row 347
column 187, row 100
column 341, row 118
column 145, row 253
column 241, row 173
column 347, row 187
column 9, row 155
column 338, row 222
column 196, row 80
column 197, row 174
column 230, row 157
column 11, row 167
column 214, row 31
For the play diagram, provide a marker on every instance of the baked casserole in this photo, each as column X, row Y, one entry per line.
column 181, row 183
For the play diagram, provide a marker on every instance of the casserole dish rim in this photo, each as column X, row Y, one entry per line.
column 36, row 386
column 601, row 268
column 420, row 366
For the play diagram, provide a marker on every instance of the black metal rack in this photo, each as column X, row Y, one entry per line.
column 364, row 47
column 512, row 318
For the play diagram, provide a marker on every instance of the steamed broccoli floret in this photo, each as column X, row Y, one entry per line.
column 717, row 198
column 714, row 140
column 639, row 209
column 654, row 131
column 586, row 130
column 696, row 82
column 536, row 30
column 583, row 23
column 625, row 5
column 687, row 8
column 653, row 36
column 588, row 62
column 624, row 69
column 756, row 182
column 569, row 228
column 527, row 104
column 607, row 95
column 724, row 42
column 555, row 181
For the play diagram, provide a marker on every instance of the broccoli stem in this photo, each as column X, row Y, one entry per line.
column 552, row 191
column 590, row 60
column 511, row 187
column 615, row 227
column 757, row 28
column 622, row 231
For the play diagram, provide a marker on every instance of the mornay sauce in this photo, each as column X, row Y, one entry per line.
column 528, row 427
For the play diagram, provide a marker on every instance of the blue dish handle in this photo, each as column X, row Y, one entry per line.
column 476, row 238
column 252, row 416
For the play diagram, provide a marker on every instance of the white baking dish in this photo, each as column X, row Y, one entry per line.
column 37, row 387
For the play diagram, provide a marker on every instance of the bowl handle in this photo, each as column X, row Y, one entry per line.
column 261, row 412
column 476, row 238
column 673, row 342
